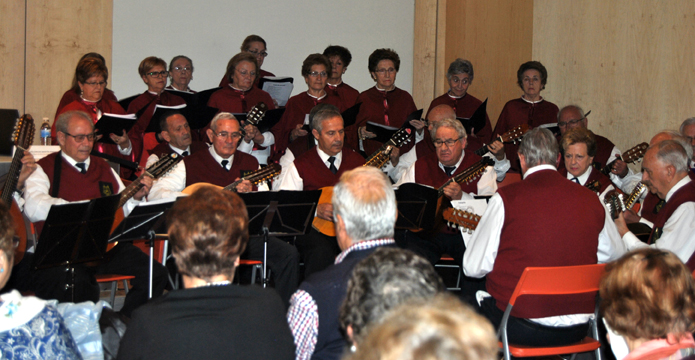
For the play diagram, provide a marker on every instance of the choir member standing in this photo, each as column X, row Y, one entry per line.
column 340, row 58
column 74, row 92
column 383, row 104
column 180, row 73
column 529, row 109
column 256, row 46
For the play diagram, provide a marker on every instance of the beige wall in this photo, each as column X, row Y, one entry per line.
column 58, row 33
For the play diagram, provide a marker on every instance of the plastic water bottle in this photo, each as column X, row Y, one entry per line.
column 46, row 132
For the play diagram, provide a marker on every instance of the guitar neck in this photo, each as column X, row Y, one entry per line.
column 606, row 170
column 12, row 176
column 256, row 177
column 381, row 156
column 634, row 195
column 467, row 175
column 131, row 190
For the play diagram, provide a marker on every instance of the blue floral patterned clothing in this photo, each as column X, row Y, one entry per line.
column 44, row 336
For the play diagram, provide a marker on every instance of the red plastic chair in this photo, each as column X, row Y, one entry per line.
column 257, row 265
column 114, row 279
column 446, row 262
column 564, row 280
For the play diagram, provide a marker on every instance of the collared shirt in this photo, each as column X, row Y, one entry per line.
column 583, row 178
column 481, row 249
column 172, row 184
column 155, row 157
column 285, row 161
column 38, row 200
column 678, row 232
column 487, row 184
column 303, row 314
column 292, row 181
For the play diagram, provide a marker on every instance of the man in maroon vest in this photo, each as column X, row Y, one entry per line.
column 73, row 175
column 544, row 220
column 665, row 172
column 572, row 116
column 177, row 136
column 319, row 167
column 579, row 149
column 222, row 165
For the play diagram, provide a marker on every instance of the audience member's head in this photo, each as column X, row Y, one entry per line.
column 385, row 279
column 538, row 147
column 208, row 231
column 648, row 294
column 364, row 206
column 438, row 329
column 6, row 244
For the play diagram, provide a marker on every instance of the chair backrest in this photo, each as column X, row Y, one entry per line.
column 561, row 280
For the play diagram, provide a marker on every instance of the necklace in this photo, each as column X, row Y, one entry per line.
column 217, row 283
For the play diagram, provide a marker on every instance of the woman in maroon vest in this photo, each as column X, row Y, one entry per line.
column 256, row 46
column 383, row 104
column 75, row 92
column 340, row 58
column 529, row 109
column 180, row 74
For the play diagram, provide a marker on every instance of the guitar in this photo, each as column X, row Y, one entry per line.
column 255, row 177
column 22, row 137
column 157, row 170
column 468, row 175
column 630, row 156
column 510, row 136
column 254, row 116
column 461, row 219
column 379, row 158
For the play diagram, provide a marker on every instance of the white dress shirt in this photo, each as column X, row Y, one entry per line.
column 583, row 178
column 292, row 181
column 155, row 157
column 260, row 155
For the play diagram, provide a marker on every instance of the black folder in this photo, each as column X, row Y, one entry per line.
column 477, row 121
column 113, row 124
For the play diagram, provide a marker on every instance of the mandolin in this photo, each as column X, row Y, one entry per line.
column 255, row 177
column 594, row 186
column 635, row 195
column 22, row 137
column 510, row 136
column 469, row 174
column 630, row 156
column 461, row 219
column 615, row 204
column 379, row 158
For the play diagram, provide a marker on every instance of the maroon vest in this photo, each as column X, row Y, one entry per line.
column 683, row 195
column 98, row 181
column 301, row 145
column 604, row 148
column 548, row 221
column 202, row 167
column 428, row 172
column 314, row 172
column 650, row 205
column 596, row 175
column 163, row 149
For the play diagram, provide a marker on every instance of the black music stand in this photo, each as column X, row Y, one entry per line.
column 75, row 233
column 417, row 206
column 279, row 213
column 144, row 222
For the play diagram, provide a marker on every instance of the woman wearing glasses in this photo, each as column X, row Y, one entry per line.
column 383, row 104
column 91, row 77
column 180, row 74
column 529, row 109
column 239, row 97
column 460, row 77
column 75, row 91
column 153, row 72
column 256, row 46
column 315, row 70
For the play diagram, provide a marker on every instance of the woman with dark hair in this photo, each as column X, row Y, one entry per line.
column 315, row 70
column 340, row 58
column 92, row 76
column 75, row 91
column 180, row 74
column 153, row 72
column 256, row 46
column 209, row 318
column 383, row 104
column 460, row 76
column 648, row 301
column 30, row 328
column 529, row 109
column 240, row 96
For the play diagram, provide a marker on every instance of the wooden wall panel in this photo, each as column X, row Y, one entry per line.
column 12, row 54
column 58, row 34
column 629, row 61
column 424, row 51
column 496, row 36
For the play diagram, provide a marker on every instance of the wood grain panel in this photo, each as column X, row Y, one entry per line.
column 424, row 51
column 59, row 33
column 628, row 61
column 12, row 54
column 496, row 36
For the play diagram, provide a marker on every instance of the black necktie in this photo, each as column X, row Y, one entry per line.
column 185, row 153
column 659, row 205
column 449, row 170
column 575, row 180
column 224, row 164
column 83, row 168
column 332, row 168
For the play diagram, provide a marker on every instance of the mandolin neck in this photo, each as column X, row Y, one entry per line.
column 132, row 189
column 13, row 176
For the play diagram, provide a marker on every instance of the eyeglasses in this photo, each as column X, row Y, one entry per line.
column 464, row 81
column 563, row 124
column 383, row 71
column 244, row 73
column 316, row 74
column 225, row 135
column 183, row 68
column 80, row 138
column 96, row 83
column 449, row 143
column 158, row 74
column 257, row 53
